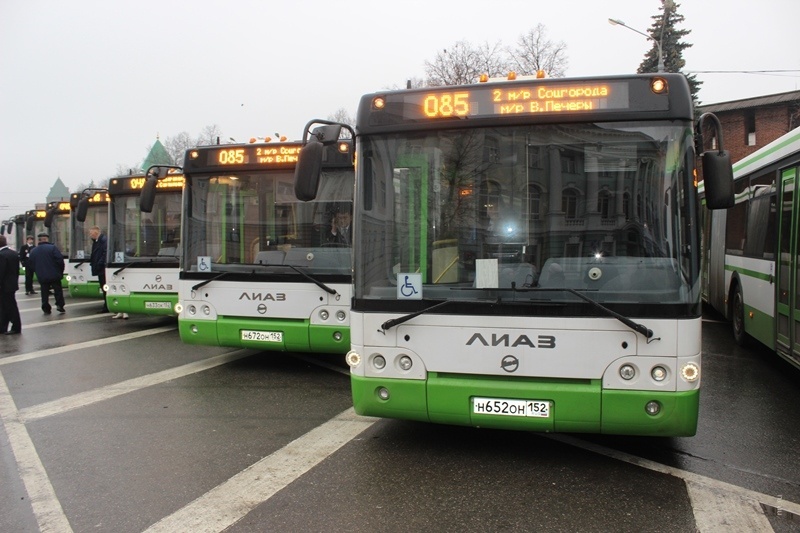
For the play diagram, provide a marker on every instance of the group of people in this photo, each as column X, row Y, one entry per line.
column 46, row 261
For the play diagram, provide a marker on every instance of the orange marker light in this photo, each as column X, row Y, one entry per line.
column 658, row 85
column 378, row 102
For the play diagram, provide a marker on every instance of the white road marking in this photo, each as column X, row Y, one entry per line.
column 83, row 345
column 230, row 501
column 111, row 391
column 63, row 321
column 715, row 510
column 733, row 505
column 46, row 507
column 69, row 305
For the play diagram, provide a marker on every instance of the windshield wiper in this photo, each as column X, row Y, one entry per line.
column 132, row 263
column 316, row 282
column 209, row 280
column 405, row 318
column 635, row 326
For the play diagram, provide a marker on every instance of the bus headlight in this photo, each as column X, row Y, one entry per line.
column 106, row 288
column 206, row 310
column 379, row 362
column 192, row 310
column 178, row 309
column 690, row 372
column 627, row 372
column 323, row 314
column 405, row 362
column 69, row 278
column 658, row 373
column 353, row 358
column 340, row 316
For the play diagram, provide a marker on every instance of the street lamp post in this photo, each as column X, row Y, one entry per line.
column 617, row 22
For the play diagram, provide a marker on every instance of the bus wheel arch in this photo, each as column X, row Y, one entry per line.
column 736, row 313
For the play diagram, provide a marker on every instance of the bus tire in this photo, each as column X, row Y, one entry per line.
column 737, row 316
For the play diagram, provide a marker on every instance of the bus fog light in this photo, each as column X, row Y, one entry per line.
column 323, row 315
column 193, row 328
column 178, row 308
column 627, row 372
column 340, row 316
column 337, row 336
column 206, row 310
column 405, row 362
column 192, row 310
column 353, row 358
column 379, row 362
column 690, row 372
column 658, row 373
column 383, row 393
column 652, row 408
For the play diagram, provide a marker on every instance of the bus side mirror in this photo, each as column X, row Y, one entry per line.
column 48, row 217
column 29, row 223
column 82, row 209
column 148, row 195
column 717, row 170
column 307, row 171
column 10, row 227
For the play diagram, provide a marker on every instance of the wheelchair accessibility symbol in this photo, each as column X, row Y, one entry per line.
column 204, row 263
column 409, row 286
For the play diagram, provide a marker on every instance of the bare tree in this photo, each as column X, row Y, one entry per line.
column 343, row 117
column 177, row 145
column 463, row 63
column 536, row 52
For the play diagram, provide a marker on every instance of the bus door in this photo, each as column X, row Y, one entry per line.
column 788, row 268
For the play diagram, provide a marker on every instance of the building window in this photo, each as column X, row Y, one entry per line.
column 604, row 204
column 535, row 202
column 750, row 128
column 569, row 203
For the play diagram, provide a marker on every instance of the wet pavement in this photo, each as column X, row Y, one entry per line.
column 114, row 425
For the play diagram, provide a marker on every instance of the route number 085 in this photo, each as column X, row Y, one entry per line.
column 446, row 105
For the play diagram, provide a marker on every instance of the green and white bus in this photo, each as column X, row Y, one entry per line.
column 82, row 284
column 526, row 255
column 143, row 246
column 259, row 268
column 753, row 250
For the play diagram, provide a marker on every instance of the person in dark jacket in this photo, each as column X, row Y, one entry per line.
column 47, row 262
column 98, row 260
column 9, row 285
column 24, row 250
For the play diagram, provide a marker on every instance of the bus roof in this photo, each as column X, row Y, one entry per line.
column 765, row 156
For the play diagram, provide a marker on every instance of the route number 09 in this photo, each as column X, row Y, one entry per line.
column 446, row 105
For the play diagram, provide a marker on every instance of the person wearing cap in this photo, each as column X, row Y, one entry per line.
column 24, row 250
column 9, row 285
column 47, row 262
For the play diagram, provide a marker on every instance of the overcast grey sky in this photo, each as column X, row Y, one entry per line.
column 86, row 85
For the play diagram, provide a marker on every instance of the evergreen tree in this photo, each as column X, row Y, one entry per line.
column 664, row 31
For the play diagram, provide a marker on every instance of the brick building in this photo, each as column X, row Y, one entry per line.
column 752, row 123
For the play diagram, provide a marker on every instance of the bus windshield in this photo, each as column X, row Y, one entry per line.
column 96, row 215
column 138, row 237
column 496, row 213
column 252, row 222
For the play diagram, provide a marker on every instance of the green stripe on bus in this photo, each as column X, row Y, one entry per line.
column 749, row 161
column 749, row 273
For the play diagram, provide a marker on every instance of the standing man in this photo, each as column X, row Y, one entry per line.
column 47, row 262
column 98, row 261
column 9, row 285
column 24, row 251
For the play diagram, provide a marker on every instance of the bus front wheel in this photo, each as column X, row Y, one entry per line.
column 737, row 317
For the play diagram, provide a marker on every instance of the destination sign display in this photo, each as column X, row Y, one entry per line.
column 515, row 99
column 135, row 183
column 259, row 155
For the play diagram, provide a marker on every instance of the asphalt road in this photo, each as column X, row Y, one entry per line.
column 115, row 425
